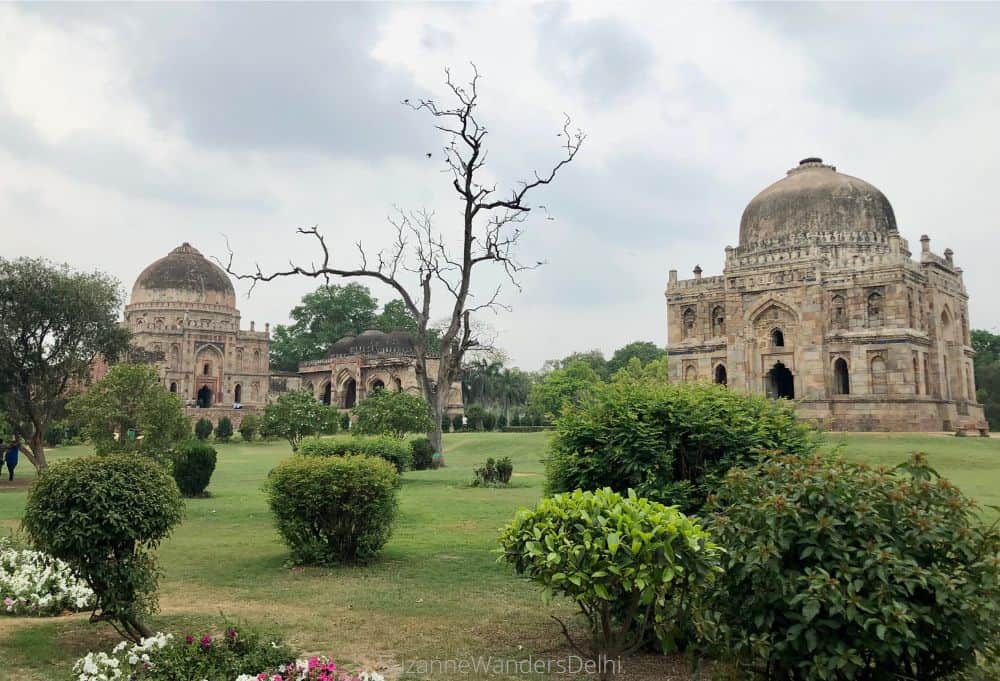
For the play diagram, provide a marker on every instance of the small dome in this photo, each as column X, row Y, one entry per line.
column 374, row 342
column 184, row 275
column 814, row 198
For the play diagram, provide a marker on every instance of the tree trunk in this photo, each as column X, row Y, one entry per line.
column 435, row 435
column 36, row 443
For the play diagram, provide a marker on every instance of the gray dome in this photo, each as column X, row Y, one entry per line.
column 814, row 198
column 182, row 273
column 374, row 342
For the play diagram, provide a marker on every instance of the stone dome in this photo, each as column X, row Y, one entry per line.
column 814, row 198
column 374, row 342
column 184, row 276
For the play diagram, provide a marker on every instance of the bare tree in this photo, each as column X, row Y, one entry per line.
column 421, row 260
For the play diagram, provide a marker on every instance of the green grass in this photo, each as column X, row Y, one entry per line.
column 437, row 591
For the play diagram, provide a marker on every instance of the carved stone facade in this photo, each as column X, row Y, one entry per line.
column 822, row 303
column 357, row 366
column 184, row 320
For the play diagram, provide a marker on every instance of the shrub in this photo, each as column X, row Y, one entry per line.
column 494, row 473
column 456, row 423
column 203, row 428
column 333, row 509
column 474, row 416
column 422, row 452
column 104, row 516
column 396, row 452
column 193, row 464
column 224, row 430
column 489, row 421
column 501, row 421
column 296, row 415
column 526, row 429
column 345, row 421
column 840, row 571
column 388, row 412
column 670, row 443
column 628, row 563
column 445, row 423
column 249, row 426
column 515, row 420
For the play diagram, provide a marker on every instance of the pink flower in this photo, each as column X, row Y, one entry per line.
column 189, row 639
column 231, row 634
column 206, row 642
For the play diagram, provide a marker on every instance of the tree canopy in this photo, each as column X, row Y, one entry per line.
column 130, row 398
column 54, row 321
column 296, row 415
column 390, row 412
column 987, row 364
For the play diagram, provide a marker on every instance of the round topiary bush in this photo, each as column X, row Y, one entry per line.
column 193, row 464
column 203, row 428
column 333, row 509
column 104, row 516
column 396, row 452
column 670, row 443
column 422, row 453
column 841, row 571
column 630, row 564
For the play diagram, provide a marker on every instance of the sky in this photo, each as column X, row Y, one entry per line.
column 128, row 129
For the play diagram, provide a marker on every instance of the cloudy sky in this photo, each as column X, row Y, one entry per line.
column 127, row 129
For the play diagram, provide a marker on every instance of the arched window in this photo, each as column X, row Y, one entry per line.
column 689, row 319
column 350, row 393
column 879, row 377
column 327, row 394
column 718, row 321
column 173, row 388
column 916, row 374
column 777, row 338
column 256, row 359
column 720, row 374
column 206, row 369
column 838, row 312
column 239, row 358
column 909, row 309
column 690, row 373
column 238, row 394
column 876, row 313
column 841, row 377
column 377, row 385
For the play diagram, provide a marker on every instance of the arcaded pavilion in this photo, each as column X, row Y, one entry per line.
column 822, row 303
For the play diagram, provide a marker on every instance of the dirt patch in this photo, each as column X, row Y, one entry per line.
column 17, row 485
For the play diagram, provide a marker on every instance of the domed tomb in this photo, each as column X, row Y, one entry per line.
column 184, row 275
column 813, row 198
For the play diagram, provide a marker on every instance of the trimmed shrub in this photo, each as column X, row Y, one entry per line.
column 840, row 571
column 670, row 443
column 224, row 430
column 105, row 516
column 445, row 423
column 515, row 420
column 494, row 473
column 501, row 421
column 396, row 452
column 249, row 426
column 474, row 416
column 203, row 428
column 333, row 509
column 526, row 429
column 629, row 564
column 489, row 421
column 456, row 423
column 193, row 464
column 345, row 421
column 422, row 452
column 388, row 412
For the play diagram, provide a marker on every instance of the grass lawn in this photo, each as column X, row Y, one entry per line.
column 436, row 593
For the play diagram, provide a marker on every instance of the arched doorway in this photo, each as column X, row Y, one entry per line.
column 350, row 393
column 841, row 377
column 720, row 375
column 327, row 394
column 780, row 382
column 173, row 388
column 238, row 394
column 205, row 397
column 377, row 385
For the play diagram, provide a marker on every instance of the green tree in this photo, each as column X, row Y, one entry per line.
column 54, row 322
column 249, row 426
column 129, row 410
column 296, row 415
column 987, row 373
column 592, row 358
column 560, row 386
column 655, row 371
column 388, row 412
column 644, row 351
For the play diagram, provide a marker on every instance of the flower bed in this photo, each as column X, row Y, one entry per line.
column 240, row 655
column 34, row 583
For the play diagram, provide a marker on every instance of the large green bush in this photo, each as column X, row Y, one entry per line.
column 839, row 571
column 669, row 443
column 333, row 509
column 630, row 564
column 249, row 426
column 193, row 464
column 396, row 452
column 105, row 516
column 296, row 415
column 394, row 413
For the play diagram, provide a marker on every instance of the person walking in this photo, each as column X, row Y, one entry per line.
column 11, row 457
